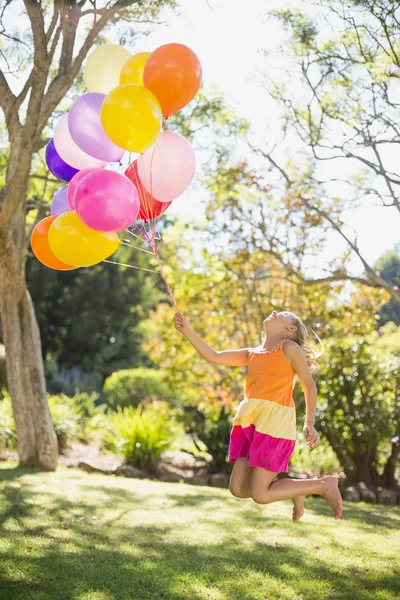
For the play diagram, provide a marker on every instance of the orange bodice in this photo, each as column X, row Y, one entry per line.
column 270, row 377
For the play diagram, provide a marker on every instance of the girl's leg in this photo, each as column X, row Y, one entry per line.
column 239, row 485
column 263, row 491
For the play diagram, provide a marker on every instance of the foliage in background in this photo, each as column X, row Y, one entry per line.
column 388, row 266
column 142, row 434
column 8, row 437
column 75, row 417
column 358, row 412
column 131, row 387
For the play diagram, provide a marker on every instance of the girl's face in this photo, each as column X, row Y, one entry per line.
column 280, row 322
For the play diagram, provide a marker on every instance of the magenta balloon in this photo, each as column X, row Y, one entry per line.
column 167, row 168
column 107, row 201
column 69, row 151
column 59, row 203
column 73, row 184
column 87, row 131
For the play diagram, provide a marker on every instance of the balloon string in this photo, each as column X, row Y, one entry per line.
column 145, row 198
column 125, row 243
column 111, row 262
column 154, row 247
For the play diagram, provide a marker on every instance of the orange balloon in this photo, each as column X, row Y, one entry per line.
column 41, row 249
column 173, row 73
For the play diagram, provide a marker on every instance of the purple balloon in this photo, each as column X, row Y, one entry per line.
column 57, row 165
column 87, row 131
column 60, row 203
column 107, row 201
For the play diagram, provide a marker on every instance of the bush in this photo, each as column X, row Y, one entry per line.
column 214, row 433
column 8, row 437
column 318, row 461
column 142, row 434
column 131, row 387
column 359, row 409
column 75, row 417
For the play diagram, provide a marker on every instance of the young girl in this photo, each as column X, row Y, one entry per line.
column 264, row 429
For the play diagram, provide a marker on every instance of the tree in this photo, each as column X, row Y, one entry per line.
column 52, row 50
column 358, row 410
column 341, row 112
column 389, row 268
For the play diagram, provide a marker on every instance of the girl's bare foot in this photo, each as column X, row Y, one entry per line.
column 298, row 508
column 332, row 495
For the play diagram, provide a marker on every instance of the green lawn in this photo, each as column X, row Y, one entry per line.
column 70, row 536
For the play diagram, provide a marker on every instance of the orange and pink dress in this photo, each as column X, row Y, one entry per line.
column 264, row 428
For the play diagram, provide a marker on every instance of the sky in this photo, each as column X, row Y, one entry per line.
column 228, row 35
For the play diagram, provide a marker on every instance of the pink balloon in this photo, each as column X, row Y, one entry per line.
column 167, row 168
column 73, row 184
column 107, row 201
column 69, row 151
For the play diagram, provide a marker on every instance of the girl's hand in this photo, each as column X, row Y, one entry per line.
column 311, row 435
column 180, row 322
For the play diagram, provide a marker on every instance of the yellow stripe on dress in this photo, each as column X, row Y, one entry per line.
column 268, row 417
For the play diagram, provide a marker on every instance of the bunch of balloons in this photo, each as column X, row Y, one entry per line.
column 129, row 99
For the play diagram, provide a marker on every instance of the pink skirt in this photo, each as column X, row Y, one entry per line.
column 264, row 433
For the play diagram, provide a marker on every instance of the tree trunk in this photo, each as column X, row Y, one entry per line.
column 37, row 442
column 389, row 472
column 365, row 466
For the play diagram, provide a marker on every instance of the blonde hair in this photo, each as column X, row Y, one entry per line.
column 301, row 338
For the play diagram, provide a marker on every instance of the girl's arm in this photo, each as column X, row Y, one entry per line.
column 297, row 359
column 230, row 358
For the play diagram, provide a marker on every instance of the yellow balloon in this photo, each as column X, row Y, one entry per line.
column 103, row 67
column 132, row 71
column 131, row 116
column 78, row 244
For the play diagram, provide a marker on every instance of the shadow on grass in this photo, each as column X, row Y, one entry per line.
column 158, row 567
column 123, row 561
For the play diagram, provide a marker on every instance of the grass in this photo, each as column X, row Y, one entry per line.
column 73, row 536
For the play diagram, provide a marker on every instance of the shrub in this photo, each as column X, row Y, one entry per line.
column 131, row 387
column 214, row 433
column 359, row 408
column 65, row 420
column 8, row 438
column 142, row 434
column 75, row 417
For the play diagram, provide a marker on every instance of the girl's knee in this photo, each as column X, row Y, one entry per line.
column 260, row 496
column 237, row 491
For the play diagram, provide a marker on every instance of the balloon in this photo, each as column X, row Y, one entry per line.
column 69, row 151
column 77, row 244
column 149, row 207
column 88, row 133
column 103, row 67
column 107, row 201
column 41, row 249
column 132, row 71
column 75, row 181
column 167, row 168
column 57, row 165
column 131, row 117
column 173, row 73
column 59, row 203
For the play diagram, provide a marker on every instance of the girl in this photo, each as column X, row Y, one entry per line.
column 264, row 429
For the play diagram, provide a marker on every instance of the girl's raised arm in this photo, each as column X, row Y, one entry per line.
column 230, row 358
